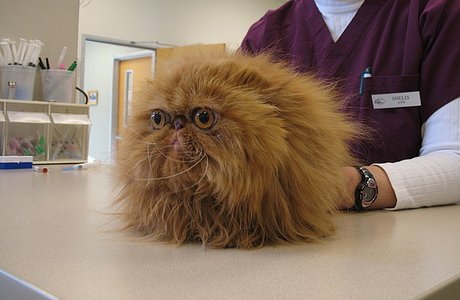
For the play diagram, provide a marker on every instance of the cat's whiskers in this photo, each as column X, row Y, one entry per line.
column 200, row 158
column 202, row 177
column 188, row 154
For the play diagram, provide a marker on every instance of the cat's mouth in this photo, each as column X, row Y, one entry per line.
column 176, row 143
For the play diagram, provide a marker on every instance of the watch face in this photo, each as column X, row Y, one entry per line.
column 371, row 183
column 369, row 192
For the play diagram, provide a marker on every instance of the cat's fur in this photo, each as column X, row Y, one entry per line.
column 269, row 171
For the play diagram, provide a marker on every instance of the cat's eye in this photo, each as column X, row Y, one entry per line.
column 204, row 118
column 158, row 118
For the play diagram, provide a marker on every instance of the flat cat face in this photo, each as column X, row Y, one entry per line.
column 207, row 122
column 233, row 151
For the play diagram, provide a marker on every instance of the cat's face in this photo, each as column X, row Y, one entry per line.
column 204, row 129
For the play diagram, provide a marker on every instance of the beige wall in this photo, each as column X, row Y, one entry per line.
column 54, row 22
column 178, row 22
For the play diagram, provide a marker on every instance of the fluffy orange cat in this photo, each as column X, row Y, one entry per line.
column 233, row 151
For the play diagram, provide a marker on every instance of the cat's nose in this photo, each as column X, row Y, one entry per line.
column 179, row 122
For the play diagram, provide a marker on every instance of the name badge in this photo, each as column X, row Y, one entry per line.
column 408, row 99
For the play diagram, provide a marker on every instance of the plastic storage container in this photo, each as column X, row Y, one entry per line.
column 26, row 134
column 69, row 137
column 50, row 132
column 17, row 82
column 58, row 85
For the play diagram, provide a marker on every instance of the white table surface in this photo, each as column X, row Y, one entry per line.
column 53, row 234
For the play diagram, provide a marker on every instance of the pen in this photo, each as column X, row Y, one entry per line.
column 366, row 74
column 47, row 63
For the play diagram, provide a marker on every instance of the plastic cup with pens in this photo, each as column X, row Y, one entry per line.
column 58, row 85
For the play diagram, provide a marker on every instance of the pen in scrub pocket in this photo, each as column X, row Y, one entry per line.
column 366, row 74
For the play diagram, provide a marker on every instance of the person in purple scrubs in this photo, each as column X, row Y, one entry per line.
column 398, row 64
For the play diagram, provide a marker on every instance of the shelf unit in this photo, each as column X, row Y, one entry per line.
column 51, row 132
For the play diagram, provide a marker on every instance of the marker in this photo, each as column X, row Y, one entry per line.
column 47, row 63
column 61, row 58
column 72, row 66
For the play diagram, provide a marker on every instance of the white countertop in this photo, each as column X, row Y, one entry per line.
column 53, row 234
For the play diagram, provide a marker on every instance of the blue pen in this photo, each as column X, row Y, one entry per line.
column 366, row 74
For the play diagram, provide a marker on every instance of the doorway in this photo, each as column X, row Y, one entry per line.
column 132, row 71
column 99, row 59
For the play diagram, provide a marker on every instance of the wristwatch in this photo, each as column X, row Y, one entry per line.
column 366, row 192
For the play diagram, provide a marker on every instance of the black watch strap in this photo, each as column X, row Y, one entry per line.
column 366, row 192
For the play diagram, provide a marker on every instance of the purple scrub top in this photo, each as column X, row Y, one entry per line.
column 409, row 45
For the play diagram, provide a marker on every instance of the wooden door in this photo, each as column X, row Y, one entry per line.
column 132, row 76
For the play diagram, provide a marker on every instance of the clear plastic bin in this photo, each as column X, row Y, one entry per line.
column 53, row 133
column 24, row 82
column 26, row 134
column 69, row 137
column 58, row 85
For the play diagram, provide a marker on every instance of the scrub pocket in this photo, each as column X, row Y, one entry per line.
column 388, row 84
column 393, row 84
